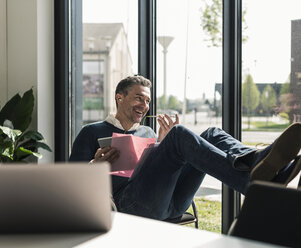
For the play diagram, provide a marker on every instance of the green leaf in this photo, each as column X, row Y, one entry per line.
column 33, row 145
column 8, row 110
column 7, row 148
column 7, row 152
column 23, row 111
column 4, row 159
column 35, row 135
column 11, row 133
column 15, row 117
column 21, row 153
column 38, row 155
column 44, row 146
column 19, row 110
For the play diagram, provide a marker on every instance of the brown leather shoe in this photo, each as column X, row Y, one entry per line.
column 284, row 150
column 296, row 169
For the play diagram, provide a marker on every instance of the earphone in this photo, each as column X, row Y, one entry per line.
column 120, row 99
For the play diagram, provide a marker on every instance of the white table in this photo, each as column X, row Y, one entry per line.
column 131, row 231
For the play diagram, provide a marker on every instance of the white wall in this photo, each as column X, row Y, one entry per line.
column 3, row 64
column 45, row 70
column 29, row 60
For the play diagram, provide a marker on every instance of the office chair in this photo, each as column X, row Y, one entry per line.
column 187, row 218
column 270, row 213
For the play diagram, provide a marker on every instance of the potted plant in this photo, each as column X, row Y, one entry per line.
column 16, row 142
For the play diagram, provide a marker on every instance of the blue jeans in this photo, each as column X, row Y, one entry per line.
column 174, row 171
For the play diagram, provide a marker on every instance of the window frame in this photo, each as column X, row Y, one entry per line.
column 147, row 50
column 147, row 67
column 231, row 98
column 61, row 82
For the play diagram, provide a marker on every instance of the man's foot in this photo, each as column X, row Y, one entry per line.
column 282, row 152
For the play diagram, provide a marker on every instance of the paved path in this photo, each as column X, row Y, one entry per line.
column 211, row 189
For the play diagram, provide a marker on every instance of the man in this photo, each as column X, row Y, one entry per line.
column 173, row 172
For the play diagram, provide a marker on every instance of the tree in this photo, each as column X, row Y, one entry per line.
column 162, row 102
column 286, row 101
column 211, row 22
column 250, row 97
column 286, row 88
column 173, row 103
column 268, row 100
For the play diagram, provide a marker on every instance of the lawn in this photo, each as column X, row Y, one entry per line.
column 209, row 214
column 264, row 126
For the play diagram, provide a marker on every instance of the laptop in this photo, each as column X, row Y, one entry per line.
column 55, row 198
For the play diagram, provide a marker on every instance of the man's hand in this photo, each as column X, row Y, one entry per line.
column 107, row 153
column 166, row 124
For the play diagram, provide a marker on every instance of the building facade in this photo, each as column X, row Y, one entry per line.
column 106, row 60
column 295, row 70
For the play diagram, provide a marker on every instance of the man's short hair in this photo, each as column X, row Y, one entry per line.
column 125, row 84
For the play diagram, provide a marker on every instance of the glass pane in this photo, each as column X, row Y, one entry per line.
column 271, row 82
column 110, row 45
column 189, row 74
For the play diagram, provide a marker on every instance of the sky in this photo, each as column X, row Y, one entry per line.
column 266, row 54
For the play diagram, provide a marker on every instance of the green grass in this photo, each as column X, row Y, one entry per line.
column 256, row 144
column 209, row 213
column 264, row 126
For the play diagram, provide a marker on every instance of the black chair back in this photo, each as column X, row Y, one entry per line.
column 270, row 213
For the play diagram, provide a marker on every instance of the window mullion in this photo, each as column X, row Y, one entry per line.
column 231, row 96
column 147, row 49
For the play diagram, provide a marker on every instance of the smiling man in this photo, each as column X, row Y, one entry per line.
column 173, row 172
column 132, row 96
column 132, row 105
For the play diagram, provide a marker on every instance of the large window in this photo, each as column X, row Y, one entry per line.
column 110, row 46
column 189, row 70
column 271, row 69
